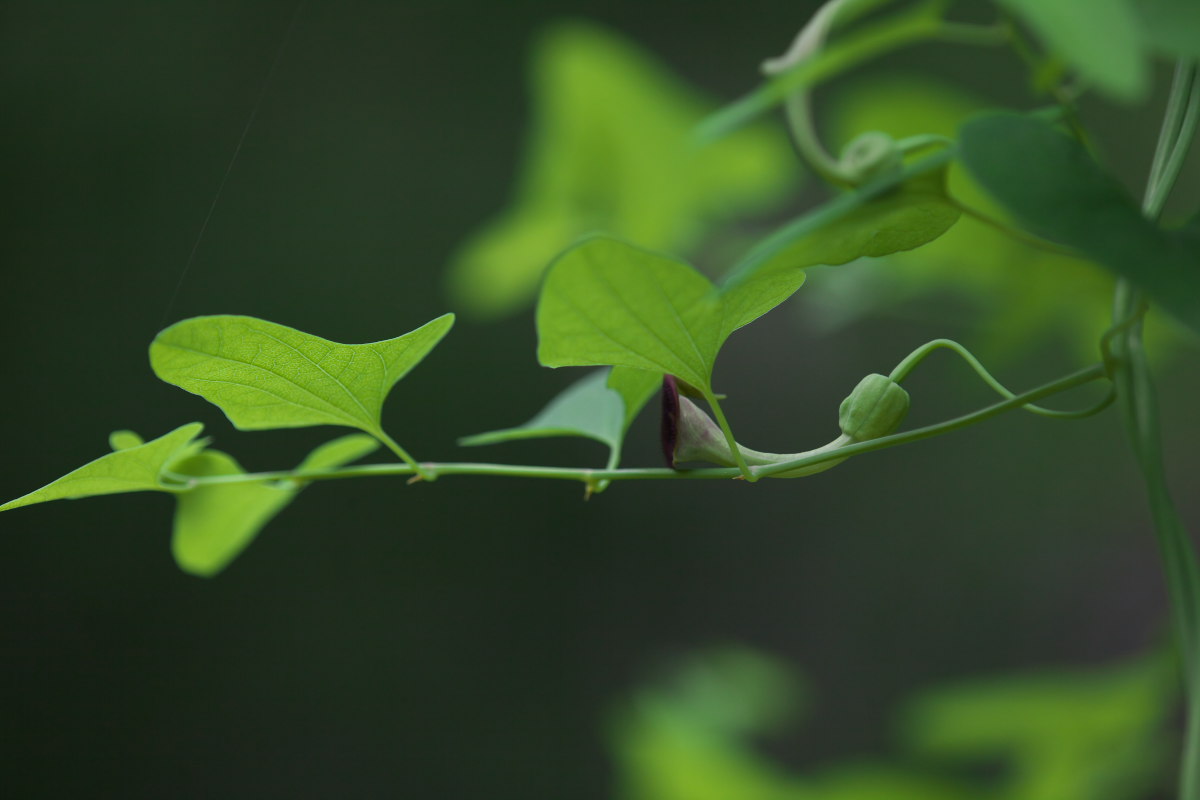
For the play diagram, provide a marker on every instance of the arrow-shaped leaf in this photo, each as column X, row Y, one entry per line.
column 215, row 522
column 599, row 406
column 264, row 375
column 135, row 468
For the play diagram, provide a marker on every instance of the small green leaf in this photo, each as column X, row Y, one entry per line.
column 586, row 408
column 123, row 440
column 264, row 375
column 135, row 468
column 1101, row 39
column 215, row 522
column 896, row 214
column 1050, row 183
column 599, row 406
column 610, row 150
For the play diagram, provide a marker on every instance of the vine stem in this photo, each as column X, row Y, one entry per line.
column 1137, row 398
column 591, row 476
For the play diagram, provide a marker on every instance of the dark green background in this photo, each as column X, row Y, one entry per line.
column 465, row 639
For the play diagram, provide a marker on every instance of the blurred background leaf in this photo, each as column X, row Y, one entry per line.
column 610, row 150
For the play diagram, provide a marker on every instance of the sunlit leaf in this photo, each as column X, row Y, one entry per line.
column 592, row 407
column 610, row 151
column 605, row 301
column 123, row 440
column 1050, row 183
column 1100, row 39
column 1064, row 735
column 135, row 468
column 264, row 375
column 877, row 220
column 215, row 522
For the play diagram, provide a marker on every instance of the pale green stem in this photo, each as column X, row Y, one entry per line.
column 588, row 476
column 917, row 356
column 403, row 455
column 1137, row 397
column 715, row 405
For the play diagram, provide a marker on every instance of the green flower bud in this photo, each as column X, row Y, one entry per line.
column 875, row 408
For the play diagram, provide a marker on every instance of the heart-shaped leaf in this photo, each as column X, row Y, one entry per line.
column 134, row 468
column 264, row 375
column 605, row 301
column 1049, row 182
column 215, row 522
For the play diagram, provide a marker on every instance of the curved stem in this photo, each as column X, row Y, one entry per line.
column 917, row 356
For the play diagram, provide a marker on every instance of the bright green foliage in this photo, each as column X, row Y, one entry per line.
column 689, row 739
column 683, row 740
column 605, row 301
column 599, row 406
column 134, row 468
column 123, row 440
column 1050, row 183
column 264, row 375
column 1009, row 307
column 608, row 302
column 1101, row 39
column 1093, row 734
column 897, row 214
column 1065, row 735
column 610, row 151
column 215, row 522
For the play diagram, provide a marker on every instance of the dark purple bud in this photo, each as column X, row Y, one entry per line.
column 688, row 434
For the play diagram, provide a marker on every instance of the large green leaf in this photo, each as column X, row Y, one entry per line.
column 610, row 150
column 215, row 522
column 1171, row 26
column 1050, row 183
column 134, row 468
column 1101, row 39
column 605, row 301
column 599, row 406
column 264, row 375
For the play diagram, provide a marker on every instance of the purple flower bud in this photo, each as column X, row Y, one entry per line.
column 688, row 434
